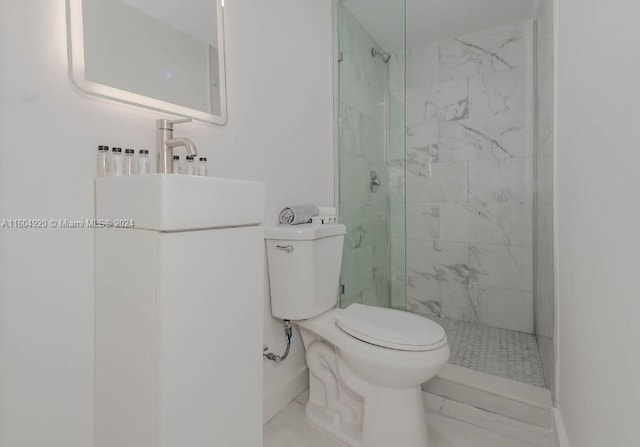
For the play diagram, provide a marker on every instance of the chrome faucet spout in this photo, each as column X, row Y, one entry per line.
column 186, row 142
column 165, row 144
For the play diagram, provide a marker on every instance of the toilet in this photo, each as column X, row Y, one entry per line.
column 366, row 364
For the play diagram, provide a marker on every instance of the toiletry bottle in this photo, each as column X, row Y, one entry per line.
column 144, row 167
column 203, row 170
column 103, row 161
column 116, row 161
column 129, row 165
column 177, row 166
column 190, row 166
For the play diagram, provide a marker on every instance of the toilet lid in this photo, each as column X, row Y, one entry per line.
column 391, row 328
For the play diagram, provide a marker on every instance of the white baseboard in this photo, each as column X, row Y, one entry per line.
column 562, row 440
column 278, row 399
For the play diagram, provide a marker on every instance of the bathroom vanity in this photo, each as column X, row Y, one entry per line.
column 179, row 312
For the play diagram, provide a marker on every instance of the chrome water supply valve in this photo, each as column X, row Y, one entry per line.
column 288, row 333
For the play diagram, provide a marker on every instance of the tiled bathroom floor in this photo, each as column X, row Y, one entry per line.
column 291, row 429
column 504, row 353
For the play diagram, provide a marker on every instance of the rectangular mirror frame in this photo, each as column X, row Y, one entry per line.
column 75, row 49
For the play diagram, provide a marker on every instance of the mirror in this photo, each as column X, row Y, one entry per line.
column 165, row 55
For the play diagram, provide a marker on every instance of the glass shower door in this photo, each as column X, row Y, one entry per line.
column 371, row 153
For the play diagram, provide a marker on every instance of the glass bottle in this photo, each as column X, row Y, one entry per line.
column 190, row 166
column 144, row 167
column 103, row 161
column 203, row 170
column 116, row 161
column 177, row 165
column 129, row 165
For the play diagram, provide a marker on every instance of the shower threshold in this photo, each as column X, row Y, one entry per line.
column 494, row 370
column 472, row 396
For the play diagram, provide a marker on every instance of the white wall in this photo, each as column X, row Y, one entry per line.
column 598, row 220
column 279, row 131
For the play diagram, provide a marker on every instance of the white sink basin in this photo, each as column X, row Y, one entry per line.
column 172, row 202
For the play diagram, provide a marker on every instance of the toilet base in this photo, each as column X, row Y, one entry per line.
column 356, row 412
column 390, row 416
column 363, row 395
column 394, row 419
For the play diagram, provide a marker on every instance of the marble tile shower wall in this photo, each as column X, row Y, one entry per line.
column 363, row 81
column 469, row 178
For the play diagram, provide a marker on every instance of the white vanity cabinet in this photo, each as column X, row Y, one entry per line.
column 179, row 324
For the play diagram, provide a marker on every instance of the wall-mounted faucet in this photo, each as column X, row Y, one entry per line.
column 165, row 144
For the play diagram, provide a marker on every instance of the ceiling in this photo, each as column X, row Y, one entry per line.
column 429, row 21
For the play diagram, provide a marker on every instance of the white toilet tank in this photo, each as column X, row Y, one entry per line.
column 304, row 269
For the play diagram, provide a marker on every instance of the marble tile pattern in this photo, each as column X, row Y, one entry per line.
column 543, row 226
column 495, row 50
column 509, row 354
column 469, row 178
column 366, row 109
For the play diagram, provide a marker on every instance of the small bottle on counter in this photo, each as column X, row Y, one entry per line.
column 103, row 161
column 203, row 170
column 190, row 166
column 177, row 165
column 129, row 165
column 144, row 167
column 116, row 161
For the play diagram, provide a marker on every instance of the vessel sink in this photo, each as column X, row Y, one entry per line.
column 173, row 202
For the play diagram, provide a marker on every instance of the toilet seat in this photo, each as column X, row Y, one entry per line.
column 390, row 328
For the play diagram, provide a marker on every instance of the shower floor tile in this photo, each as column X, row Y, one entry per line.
column 504, row 353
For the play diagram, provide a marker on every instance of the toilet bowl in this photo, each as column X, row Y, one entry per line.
column 366, row 364
column 378, row 387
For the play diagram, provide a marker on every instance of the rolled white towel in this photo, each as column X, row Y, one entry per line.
column 298, row 214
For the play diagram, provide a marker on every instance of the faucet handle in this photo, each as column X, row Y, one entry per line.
column 168, row 124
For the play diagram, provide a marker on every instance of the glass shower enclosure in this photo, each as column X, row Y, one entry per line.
column 372, row 152
column 445, row 192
